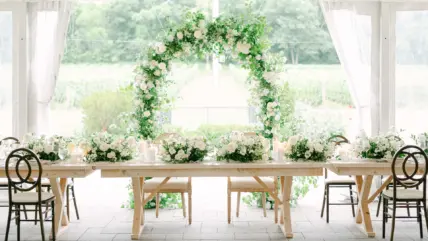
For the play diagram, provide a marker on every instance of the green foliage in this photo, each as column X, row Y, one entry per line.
column 103, row 109
column 214, row 132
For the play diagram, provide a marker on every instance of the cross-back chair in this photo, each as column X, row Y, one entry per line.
column 24, row 173
column 414, row 161
column 337, row 182
column 4, row 184
column 249, row 184
column 180, row 185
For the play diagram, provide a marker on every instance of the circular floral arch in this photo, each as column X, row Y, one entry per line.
column 242, row 38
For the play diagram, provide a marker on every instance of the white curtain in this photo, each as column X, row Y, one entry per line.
column 47, row 30
column 351, row 26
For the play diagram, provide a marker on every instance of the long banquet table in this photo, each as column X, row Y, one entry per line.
column 137, row 171
column 58, row 175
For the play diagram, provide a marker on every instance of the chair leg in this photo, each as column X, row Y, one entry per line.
column 418, row 208
column 264, row 204
column 35, row 215
column 53, row 220
column 183, row 202
column 157, row 205
column 328, row 203
column 352, row 200
column 18, row 222
column 323, row 201
column 189, row 195
column 394, row 209
column 384, row 210
column 68, row 202
column 25, row 212
column 229, row 206
column 9, row 217
column 73, row 196
column 276, row 211
column 42, row 228
column 424, row 206
column 238, row 201
column 378, row 205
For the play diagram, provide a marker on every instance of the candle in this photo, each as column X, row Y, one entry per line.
column 143, row 146
column 280, row 152
column 151, row 154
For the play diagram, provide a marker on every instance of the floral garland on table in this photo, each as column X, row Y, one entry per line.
column 377, row 147
column 300, row 148
column 104, row 147
column 243, row 39
column 239, row 147
column 183, row 150
column 46, row 148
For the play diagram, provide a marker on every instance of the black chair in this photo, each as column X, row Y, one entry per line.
column 343, row 182
column 400, row 198
column 3, row 181
column 23, row 179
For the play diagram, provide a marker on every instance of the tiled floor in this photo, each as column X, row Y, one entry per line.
column 103, row 219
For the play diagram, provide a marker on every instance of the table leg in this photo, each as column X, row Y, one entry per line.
column 281, row 218
column 59, row 190
column 137, row 227
column 286, row 213
column 363, row 211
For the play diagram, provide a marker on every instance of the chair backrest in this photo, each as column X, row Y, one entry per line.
column 338, row 140
column 19, row 171
column 10, row 139
column 414, row 159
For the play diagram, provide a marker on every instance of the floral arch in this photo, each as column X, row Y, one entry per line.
column 242, row 38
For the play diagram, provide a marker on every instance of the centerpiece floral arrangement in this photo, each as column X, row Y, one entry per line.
column 377, row 147
column 47, row 148
column 183, row 150
column 105, row 147
column 300, row 148
column 237, row 146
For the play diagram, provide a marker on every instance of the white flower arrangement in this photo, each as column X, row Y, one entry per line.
column 196, row 34
column 104, row 147
column 183, row 150
column 46, row 147
column 300, row 148
column 243, row 148
column 377, row 147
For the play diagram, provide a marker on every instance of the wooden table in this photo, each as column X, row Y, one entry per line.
column 364, row 171
column 137, row 171
column 58, row 175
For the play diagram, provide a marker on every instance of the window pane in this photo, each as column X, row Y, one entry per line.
column 412, row 71
column 6, row 73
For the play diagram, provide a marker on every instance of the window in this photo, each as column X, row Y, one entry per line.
column 6, row 40
column 411, row 67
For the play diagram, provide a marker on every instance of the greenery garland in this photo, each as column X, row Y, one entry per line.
column 242, row 38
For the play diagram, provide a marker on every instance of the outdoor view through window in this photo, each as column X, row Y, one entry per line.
column 105, row 40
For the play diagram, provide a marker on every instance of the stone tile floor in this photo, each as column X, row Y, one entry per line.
column 102, row 218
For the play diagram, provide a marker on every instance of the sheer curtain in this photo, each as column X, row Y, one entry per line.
column 352, row 26
column 47, row 23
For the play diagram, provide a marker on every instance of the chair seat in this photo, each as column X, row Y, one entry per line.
column 408, row 181
column 250, row 183
column 175, row 183
column 404, row 194
column 4, row 182
column 340, row 180
column 32, row 197
column 45, row 182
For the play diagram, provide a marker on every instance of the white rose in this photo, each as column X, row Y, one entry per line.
column 162, row 66
column 131, row 141
column 293, row 140
column 201, row 23
column 157, row 73
column 200, row 145
column 161, row 48
column 318, row 147
column 150, row 85
column 48, row 149
column 198, row 34
column 171, row 38
column 243, row 48
column 177, row 54
column 258, row 57
column 111, row 155
column 143, row 86
column 153, row 63
column 104, row 146
column 243, row 151
column 167, row 158
column 231, row 147
column 307, row 154
column 172, row 151
column 147, row 113
column 265, row 157
column 180, row 35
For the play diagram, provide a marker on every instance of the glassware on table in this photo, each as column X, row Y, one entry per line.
column 62, row 153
